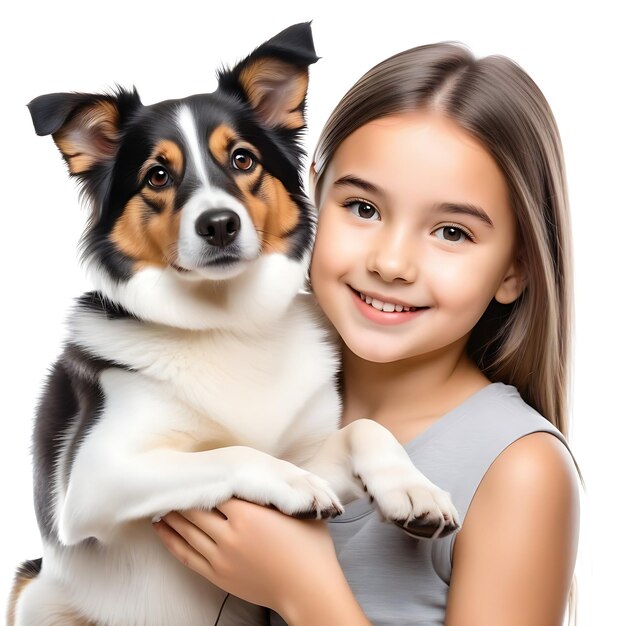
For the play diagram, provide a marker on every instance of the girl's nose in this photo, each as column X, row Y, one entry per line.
column 393, row 257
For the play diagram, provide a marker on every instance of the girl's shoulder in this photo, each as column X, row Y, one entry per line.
column 524, row 511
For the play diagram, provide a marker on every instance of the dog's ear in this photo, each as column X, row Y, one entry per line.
column 274, row 78
column 85, row 127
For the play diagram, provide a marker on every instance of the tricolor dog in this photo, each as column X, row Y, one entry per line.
column 197, row 369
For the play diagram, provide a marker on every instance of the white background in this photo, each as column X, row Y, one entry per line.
column 170, row 50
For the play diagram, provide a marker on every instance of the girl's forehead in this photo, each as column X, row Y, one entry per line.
column 415, row 135
column 420, row 152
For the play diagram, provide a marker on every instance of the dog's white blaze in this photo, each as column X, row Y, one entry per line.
column 192, row 248
column 190, row 132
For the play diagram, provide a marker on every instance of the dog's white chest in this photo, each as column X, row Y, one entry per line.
column 196, row 387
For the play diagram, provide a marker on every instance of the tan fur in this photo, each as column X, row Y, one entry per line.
column 90, row 137
column 263, row 79
column 64, row 618
column 187, row 442
column 281, row 219
column 71, row 618
column 220, row 139
column 20, row 583
column 166, row 153
column 147, row 237
column 272, row 211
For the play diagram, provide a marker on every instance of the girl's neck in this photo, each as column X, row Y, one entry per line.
column 408, row 396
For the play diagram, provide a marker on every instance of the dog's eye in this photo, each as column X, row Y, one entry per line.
column 158, row 177
column 243, row 160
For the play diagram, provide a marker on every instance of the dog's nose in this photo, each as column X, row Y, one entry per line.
column 219, row 227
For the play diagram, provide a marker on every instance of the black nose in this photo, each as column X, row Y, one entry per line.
column 219, row 227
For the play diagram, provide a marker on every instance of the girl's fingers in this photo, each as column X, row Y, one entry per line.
column 211, row 522
column 182, row 551
column 197, row 528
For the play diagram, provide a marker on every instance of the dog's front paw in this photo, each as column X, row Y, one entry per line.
column 295, row 492
column 407, row 498
column 319, row 500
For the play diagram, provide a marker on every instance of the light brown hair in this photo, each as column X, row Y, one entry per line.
column 526, row 343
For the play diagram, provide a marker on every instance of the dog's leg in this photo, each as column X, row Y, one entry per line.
column 364, row 457
column 106, row 491
column 43, row 603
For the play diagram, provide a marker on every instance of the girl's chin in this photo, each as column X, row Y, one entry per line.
column 374, row 352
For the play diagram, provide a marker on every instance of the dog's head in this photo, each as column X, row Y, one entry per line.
column 198, row 216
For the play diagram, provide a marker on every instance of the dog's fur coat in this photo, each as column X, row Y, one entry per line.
column 197, row 370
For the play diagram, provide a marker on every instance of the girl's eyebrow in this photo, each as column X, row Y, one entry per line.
column 464, row 208
column 354, row 181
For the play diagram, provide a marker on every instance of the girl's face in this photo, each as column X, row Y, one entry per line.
column 415, row 213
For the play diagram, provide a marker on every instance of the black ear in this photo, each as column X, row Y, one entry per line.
column 274, row 78
column 85, row 127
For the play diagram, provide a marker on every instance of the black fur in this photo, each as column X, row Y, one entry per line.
column 111, row 181
column 29, row 569
column 72, row 399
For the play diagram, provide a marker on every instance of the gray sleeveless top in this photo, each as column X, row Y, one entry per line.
column 401, row 580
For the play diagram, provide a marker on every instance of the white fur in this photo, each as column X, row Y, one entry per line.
column 227, row 390
column 202, row 416
column 190, row 133
column 246, row 303
column 192, row 248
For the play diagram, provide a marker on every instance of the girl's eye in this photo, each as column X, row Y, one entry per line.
column 243, row 160
column 452, row 234
column 362, row 209
column 158, row 177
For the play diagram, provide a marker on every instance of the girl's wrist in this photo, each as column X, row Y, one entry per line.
column 331, row 603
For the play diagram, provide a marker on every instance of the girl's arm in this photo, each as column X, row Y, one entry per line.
column 267, row 558
column 514, row 558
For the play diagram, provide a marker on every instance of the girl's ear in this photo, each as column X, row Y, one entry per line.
column 512, row 285
column 312, row 176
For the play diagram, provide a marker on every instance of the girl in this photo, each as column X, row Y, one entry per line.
column 442, row 259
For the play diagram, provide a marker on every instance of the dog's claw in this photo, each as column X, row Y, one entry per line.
column 424, row 527
column 316, row 513
column 405, row 497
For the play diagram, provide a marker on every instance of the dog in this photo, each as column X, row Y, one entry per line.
column 198, row 369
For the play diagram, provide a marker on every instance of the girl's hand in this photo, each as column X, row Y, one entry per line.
column 257, row 553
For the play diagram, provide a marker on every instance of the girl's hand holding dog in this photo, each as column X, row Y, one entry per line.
column 267, row 558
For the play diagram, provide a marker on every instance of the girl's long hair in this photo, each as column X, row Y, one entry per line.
column 527, row 343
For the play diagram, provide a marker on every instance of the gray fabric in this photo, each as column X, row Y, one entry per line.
column 401, row 580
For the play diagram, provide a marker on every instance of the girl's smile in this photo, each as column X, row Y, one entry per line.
column 382, row 312
column 415, row 237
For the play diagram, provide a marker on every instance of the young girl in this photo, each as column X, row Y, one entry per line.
column 442, row 259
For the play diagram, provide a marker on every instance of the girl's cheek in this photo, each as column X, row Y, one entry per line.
column 321, row 269
column 329, row 251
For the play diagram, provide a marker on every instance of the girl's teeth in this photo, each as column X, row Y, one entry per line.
column 387, row 307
